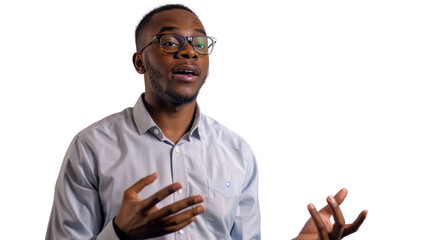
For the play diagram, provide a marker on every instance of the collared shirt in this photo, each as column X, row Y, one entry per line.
column 111, row 155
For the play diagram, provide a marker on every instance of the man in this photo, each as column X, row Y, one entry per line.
column 200, row 179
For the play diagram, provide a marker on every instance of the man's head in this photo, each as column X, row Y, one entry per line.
column 171, row 76
column 145, row 20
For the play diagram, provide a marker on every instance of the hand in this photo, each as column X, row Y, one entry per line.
column 319, row 226
column 139, row 219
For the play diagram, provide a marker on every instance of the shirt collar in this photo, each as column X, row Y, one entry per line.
column 144, row 121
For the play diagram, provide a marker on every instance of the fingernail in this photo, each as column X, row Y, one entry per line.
column 176, row 187
column 198, row 199
column 200, row 209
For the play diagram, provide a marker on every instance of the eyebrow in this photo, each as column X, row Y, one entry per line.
column 173, row 29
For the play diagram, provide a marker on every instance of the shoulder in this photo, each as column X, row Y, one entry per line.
column 109, row 126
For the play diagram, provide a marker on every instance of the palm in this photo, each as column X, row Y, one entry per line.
column 310, row 227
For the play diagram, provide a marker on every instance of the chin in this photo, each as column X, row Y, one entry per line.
column 183, row 95
column 180, row 99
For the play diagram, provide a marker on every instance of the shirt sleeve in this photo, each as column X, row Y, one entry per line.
column 76, row 211
column 247, row 221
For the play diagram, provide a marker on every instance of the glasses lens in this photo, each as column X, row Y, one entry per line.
column 203, row 45
column 171, row 43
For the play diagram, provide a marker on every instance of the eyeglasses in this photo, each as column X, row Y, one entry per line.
column 174, row 43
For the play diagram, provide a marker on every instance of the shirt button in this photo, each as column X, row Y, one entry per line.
column 181, row 231
column 176, row 149
column 180, row 191
column 156, row 131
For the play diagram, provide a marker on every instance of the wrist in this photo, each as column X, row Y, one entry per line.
column 119, row 233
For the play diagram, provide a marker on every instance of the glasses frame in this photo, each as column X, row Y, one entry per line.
column 187, row 40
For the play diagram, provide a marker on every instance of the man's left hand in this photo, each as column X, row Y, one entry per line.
column 319, row 226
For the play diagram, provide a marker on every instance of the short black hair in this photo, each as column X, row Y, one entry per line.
column 146, row 18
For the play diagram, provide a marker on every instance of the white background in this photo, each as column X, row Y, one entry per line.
column 329, row 94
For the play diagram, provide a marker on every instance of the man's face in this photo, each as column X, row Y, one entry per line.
column 173, row 77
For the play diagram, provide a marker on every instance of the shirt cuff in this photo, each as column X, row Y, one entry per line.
column 108, row 233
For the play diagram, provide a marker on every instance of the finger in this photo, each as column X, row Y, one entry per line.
column 341, row 195
column 131, row 192
column 339, row 198
column 184, row 216
column 322, row 231
column 338, row 227
column 160, row 230
column 175, row 228
column 176, row 207
column 142, row 183
column 160, row 195
column 351, row 228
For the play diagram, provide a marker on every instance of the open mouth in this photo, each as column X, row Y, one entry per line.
column 188, row 70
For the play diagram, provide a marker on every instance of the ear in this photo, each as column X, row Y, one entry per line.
column 139, row 63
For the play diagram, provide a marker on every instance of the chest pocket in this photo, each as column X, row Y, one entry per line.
column 222, row 206
column 225, row 188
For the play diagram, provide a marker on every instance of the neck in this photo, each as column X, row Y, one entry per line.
column 174, row 120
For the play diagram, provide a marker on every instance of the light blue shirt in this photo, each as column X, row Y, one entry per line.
column 111, row 155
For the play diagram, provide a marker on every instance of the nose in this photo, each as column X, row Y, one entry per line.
column 187, row 52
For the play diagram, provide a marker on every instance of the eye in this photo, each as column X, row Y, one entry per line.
column 169, row 41
column 200, row 42
column 200, row 45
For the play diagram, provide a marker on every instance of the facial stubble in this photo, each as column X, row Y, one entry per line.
column 155, row 76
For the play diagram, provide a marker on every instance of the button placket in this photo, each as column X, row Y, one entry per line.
column 176, row 149
column 180, row 235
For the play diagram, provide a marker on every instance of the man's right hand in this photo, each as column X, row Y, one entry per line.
column 138, row 219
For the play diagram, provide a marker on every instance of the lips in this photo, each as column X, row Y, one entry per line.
column 187, row 69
